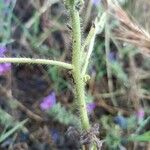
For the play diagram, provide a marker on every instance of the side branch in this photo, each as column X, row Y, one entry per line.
column 36, row 61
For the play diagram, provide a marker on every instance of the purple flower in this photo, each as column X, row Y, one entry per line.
column 48, row 102
column 140, row 115
column 4, row 67
column 90, row 107
column 2, row 50
column 112, row 56
column 121, row 121
column 7, row 1
column 55, row 135
column 96, row 2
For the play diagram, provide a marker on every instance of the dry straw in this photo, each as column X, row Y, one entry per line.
column 128, row 30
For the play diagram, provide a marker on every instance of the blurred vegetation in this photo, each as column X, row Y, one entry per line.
column 38, row 29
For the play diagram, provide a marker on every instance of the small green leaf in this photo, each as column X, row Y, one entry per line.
column 11, row 131
column 141, row 138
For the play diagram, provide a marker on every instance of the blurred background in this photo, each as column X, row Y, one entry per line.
column 40, row 98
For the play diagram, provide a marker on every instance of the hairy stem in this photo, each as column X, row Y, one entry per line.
column 36, row 61
column 92, row 40
column 95, row 29
column 77, row 64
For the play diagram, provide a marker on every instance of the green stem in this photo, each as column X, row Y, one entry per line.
column 91, row 41
column 88, row 38
column 36, row 61
column 77, row 64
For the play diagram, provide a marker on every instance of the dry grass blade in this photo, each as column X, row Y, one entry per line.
column 128, row 30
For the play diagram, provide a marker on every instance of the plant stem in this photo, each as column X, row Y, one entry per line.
column 108, row 65
column 95, row 29
column 88, row 38
column 36, row 61
column 77, row 64
column 92, row 40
